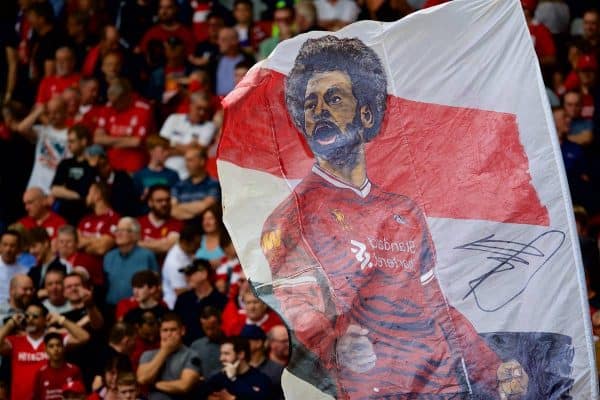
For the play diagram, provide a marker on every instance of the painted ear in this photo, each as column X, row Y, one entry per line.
column 366, row 117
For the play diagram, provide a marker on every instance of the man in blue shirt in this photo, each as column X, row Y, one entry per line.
column 199, row 191
column 121, row 263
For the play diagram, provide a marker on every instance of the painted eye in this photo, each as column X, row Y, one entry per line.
column 336, row 99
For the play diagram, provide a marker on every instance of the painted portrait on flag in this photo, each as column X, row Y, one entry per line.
column 411, row 235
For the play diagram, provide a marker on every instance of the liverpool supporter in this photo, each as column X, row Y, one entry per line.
column 127, row 386
column 147, row 336
column 256, row 313
column 50, row 378
column 64, row 77
column 21, row 295
column 180, row 256
column 202, row 293
column 10, row 242
column 27, row 352
column 187, row 130
column 111, row 70
column 96, row 230
column 591, row 30
column 160, row 231
column 146, row 297
column 105, row 387
column 208, row 346
column 199, row 191
column 38, row 212
column 229, row 270
column 279, row 345
column 73, row 177
column 46, row 260
column 586, row 68
column 109, row 41
column 235, row 311
column 238, row 378
column 79, row 36
column 258, row 357
column 121, row 263
column 123, row 127
column 223, row 64
column 167, row 27
column 67, row 246
column 83, row 311
column 173, row 369
column 155, row 173
column 283, row 17
column 50, row 139
column 541, row 36
column 74, row 390
column 306, row 16
column 55, row 302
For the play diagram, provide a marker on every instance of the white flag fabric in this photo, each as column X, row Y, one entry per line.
column 395, row 191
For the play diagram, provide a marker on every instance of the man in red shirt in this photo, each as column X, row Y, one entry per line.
column 96, row 230
column 28, row 352
column 159, row 231
column 39, row 213
column 50, row 378
column 354, row 266
column 65, row 76
column 167, row 27
column 541, row 36
column 123, row 126
column 67, row 245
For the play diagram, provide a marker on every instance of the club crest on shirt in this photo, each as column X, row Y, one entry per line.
column 340, row 218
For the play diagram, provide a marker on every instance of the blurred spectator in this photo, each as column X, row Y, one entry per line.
column 9, row 61
column 121, row 342
column 180, row 256
column 39, row 214
column 105, row 387
column 27, row 353
column 44, row 42
column 109, row 42
column 21, row 295
column 185, row 131
column 118, row 184
column 50, row 139
column 168, row 26
column 212, row 228
column 51, row 377
column 234, row 313
column 10, row 242
column 64, row 77
column 174, row 369
column 223, row 64
column 96, row 230
column 164, row 80
column 134, row 18
column 208, row 48
column 74, row 390
column 586, row 73
column 79, row 39
column 250, row 34
column 146, row 297
column 283, row 17
column 73, row 177
column 554, row 15
column 127, row 386
column 541, row 36
column 229, row 270
column 591, row 30
column 208, row 346
column 121, row 263
column 256, row 313
column 39, row 247
column 72, row 99
column 147, row 336
column 241, row 69
column 580, row 129
column 279, row 345
column 111, row 71
column 259, row 360
column 189, row 304
column 199, row 191
column 160, row 231
column 238, row 379
column 306, row 16
column 123, row 127
column 67, row 244
column 81, row 300
column 56, row 302
column 335, row 14
column 385, row 10
column 155, row 173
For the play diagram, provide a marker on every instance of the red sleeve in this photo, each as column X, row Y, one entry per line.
column 544, row 43
column 43, row 94
column 89, row 64
column 299, row 284
column 37, row 387
column 232, row 321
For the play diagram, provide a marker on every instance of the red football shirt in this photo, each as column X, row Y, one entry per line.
column 134, row 121
column 51, row 85
column 49, row 381
column 542, row 40
column 98, row 225
column 52, row 222
column 160, row 231
column 343, row 256
column 27, row 357
column 160, row 34
column 92, row 264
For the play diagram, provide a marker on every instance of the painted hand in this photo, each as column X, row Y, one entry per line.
column 512, row 380
column 355, row 350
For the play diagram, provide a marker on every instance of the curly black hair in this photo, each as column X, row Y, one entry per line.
column 351, row 55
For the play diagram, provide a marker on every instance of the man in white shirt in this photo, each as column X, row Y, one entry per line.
column 9, row 249
column 186, row 130
column 180, row 256
column 335, row 14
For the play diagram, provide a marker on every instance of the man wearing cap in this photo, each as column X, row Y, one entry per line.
column 259, row 360
column 73, row 177
column 541, row 36
column 74, row 390
column 189, row 305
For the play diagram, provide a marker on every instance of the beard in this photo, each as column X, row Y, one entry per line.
column 339, row 148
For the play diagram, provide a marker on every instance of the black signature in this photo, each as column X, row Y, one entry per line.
column 510, row 255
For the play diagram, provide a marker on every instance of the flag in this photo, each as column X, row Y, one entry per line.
column 395, row 191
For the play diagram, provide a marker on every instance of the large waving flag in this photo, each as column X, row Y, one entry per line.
column 396, row 193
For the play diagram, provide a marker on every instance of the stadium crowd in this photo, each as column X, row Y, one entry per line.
column 118, row 279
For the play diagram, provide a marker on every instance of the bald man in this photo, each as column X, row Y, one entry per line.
column 39, row 214
column 65, row 76
column 21, row 294
column 230, row 54
column 279, row 344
